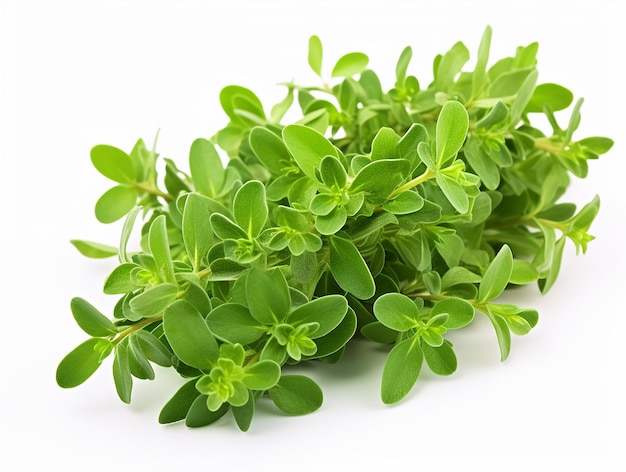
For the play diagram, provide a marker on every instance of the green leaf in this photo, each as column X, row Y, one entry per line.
column 523, row 272
column 380, row 178
column 332, row 172
column 268, row 296
column 153, row 348
column 189, row 336
column 405, row 203
column 396, row 311
column 113, row 163
column 244, row 414
column 205, row 165
column 454, row 192
column 233, row 323
column 196, row 231
column 90, row 320
column 452, row 126
column 523, row 97
column 332, row 222
column 224, row 228
column 552, row 96
column 385, row 144
column 121, row 280
column 296, row 395
column 178, row 406
column 338, row 337
column 460, row 312
column 497, row 275
column 441, row 360
column 479, row 77
column 401, row 371
column 261, row 375
column 94, row 250
column 449, row 65
column 126, row 232
column 160, row 249
column 315, row 54
column 545, row 284
column 199, row 414
column 269, row 149
column 121, row 372
column 308, row 147
column 350, row 64
column 82, row 362
column 502, row 333
column 328, row 311
column 115, row 203
column 349, row 268
column 154, row 300
column 250, row 208
column 235, row 99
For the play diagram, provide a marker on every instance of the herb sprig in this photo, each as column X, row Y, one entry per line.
column 396, row 216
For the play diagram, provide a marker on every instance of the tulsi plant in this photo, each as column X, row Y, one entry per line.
column 394, row 216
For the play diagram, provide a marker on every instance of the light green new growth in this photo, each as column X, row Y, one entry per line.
column 390, row 215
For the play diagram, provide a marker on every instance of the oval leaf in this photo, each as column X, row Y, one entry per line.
column 82, row 362
column 497, row 275
column 90, row 319
column 349, row 268
column 296, row 395
column 401, row 371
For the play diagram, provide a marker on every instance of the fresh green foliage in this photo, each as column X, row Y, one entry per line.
column 392, row 216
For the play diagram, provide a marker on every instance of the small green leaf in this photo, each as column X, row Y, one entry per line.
column 113, row 163
column 385, row 144
column 332, row 172
column 350, row 64
column 349, row 268
column 160, row 249
column 332, row 222
column 308, row 147
column 396, row 311
column 441, row 360
column 296, row 395
column 207, row 170
column 496, row 276
column 94, row 250
column 315, row 54
column 380, row 178
column 153, row 348
column 178, row 406
column 552, row 96
column 452, row 126
column 269, row 149
column 121, row 372
column 250, row 208
column 268, row 296
column 196, row 231
column 261, row 375
column 115, row 203
column 460, row 312
column 190, row 337
column 244, row 414
column 502, row 333
column 454, row 192
column 82, row 362
column 523, row 272
column 233, row 323
column 401, row 371
column 199, row 414
column 154, row 300
column 224, row 228
column 328, row 311
column 91, row 320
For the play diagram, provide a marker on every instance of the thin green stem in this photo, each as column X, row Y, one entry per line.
column 152, row 190
column 136, row 327
column 428, row 174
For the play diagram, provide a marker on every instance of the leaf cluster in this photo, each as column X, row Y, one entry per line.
column 391, row 215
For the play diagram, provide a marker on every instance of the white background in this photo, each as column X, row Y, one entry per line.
column 76, row 74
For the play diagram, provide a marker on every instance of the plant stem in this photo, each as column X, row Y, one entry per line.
column 428, row 174
column 136, row 327
column 152, row 190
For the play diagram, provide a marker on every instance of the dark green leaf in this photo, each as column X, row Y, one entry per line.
column 233, row 323
column 154, row 300
column 328, row 311
column 396, row 311
column 199, row 414
column 349, row 268
column 178, row 406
